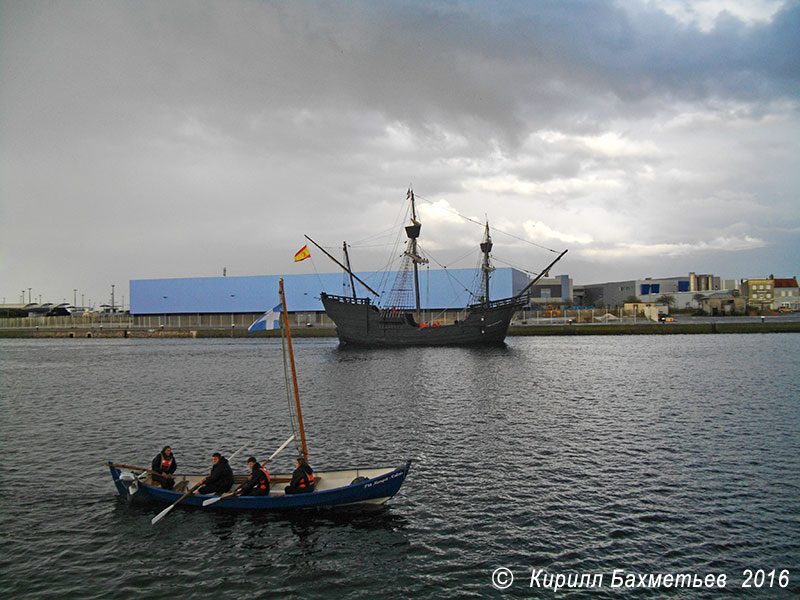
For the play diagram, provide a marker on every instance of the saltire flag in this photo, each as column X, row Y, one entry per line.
column 302, row 254
column 269, row 320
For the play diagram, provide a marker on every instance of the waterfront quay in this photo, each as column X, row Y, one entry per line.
column 207, row 326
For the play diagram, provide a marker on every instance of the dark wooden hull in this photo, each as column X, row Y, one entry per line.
column 361, row 323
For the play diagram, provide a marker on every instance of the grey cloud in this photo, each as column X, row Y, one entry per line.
column 179, row 126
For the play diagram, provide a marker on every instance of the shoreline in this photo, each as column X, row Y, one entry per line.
column 319, row 332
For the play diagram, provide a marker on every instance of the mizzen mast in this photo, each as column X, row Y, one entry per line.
column 486, row 267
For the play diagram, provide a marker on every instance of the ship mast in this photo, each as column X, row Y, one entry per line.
column 412, row 231
column 349, row 270
column 486, row 267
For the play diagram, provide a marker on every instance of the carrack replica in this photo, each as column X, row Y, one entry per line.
column 397, row 322
column 331, row 488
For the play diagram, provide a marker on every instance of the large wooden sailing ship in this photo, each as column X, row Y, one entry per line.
column 361, row 322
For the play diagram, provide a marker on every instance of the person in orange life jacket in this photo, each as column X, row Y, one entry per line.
column 220, row 480
column 258, row 482
column 302, row 478
column 164, row 462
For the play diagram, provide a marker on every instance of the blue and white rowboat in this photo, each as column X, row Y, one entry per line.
column 332, row 488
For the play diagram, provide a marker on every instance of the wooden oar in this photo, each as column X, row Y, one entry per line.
column 132, row 468
column 165, row 512
column 211, row 501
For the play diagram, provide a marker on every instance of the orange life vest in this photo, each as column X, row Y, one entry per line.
column 165, row 463
column 262, row 485
column 307, row 479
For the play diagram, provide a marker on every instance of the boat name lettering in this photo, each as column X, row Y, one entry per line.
column 381, row 480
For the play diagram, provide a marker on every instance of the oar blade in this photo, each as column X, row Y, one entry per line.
column 161, row 515
column 210, row 501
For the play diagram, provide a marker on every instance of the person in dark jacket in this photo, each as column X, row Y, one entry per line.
column 258, row 482
column 220, row 480
column 164, row 462
column 302, row 478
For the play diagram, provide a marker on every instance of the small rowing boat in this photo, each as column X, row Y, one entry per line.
column 331, row 488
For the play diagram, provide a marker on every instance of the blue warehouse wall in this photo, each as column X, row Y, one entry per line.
column 258, row 293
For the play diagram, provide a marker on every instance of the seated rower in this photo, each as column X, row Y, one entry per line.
column 258, row 482
column 302, row 478
column 164, row 462
column 220, row 479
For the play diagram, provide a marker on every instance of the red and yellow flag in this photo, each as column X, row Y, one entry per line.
column 302, row 254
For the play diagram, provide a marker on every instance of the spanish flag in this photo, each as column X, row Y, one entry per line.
column 302, row 254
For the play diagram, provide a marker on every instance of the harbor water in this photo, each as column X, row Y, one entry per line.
column 580, row 460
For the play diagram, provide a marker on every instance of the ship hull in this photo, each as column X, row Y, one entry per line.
column 360, row 323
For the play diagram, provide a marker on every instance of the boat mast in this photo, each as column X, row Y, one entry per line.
column 412, row 231
column 486, row 267
column 294, row 372
column 349, row 271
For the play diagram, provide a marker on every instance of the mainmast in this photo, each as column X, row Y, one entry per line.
column 486, row 267
column 412, row 231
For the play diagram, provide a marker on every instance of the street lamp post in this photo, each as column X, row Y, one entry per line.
column 233, row 296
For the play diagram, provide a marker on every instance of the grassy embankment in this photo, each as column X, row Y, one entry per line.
column 521, row 330
column 658, row 328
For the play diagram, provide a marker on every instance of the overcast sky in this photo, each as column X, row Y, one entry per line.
column 160, row 139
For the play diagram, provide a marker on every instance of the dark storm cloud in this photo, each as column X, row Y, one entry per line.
column 176, row 138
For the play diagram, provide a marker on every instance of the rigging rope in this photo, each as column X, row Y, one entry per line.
column 447, row 272
column 471, row 220
column 289, row 399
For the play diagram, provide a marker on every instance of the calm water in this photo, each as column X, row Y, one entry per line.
column 663, row 454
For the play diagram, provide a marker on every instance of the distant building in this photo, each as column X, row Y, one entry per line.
column 555, row 291
column 649, row 290
column 760, row 293
column 724, row 304
column 646, row 310
column 787, row 294
column 439, row 290
column 47, row 309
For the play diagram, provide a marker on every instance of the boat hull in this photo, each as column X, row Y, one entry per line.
column 360, row 323
column 378, row 486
